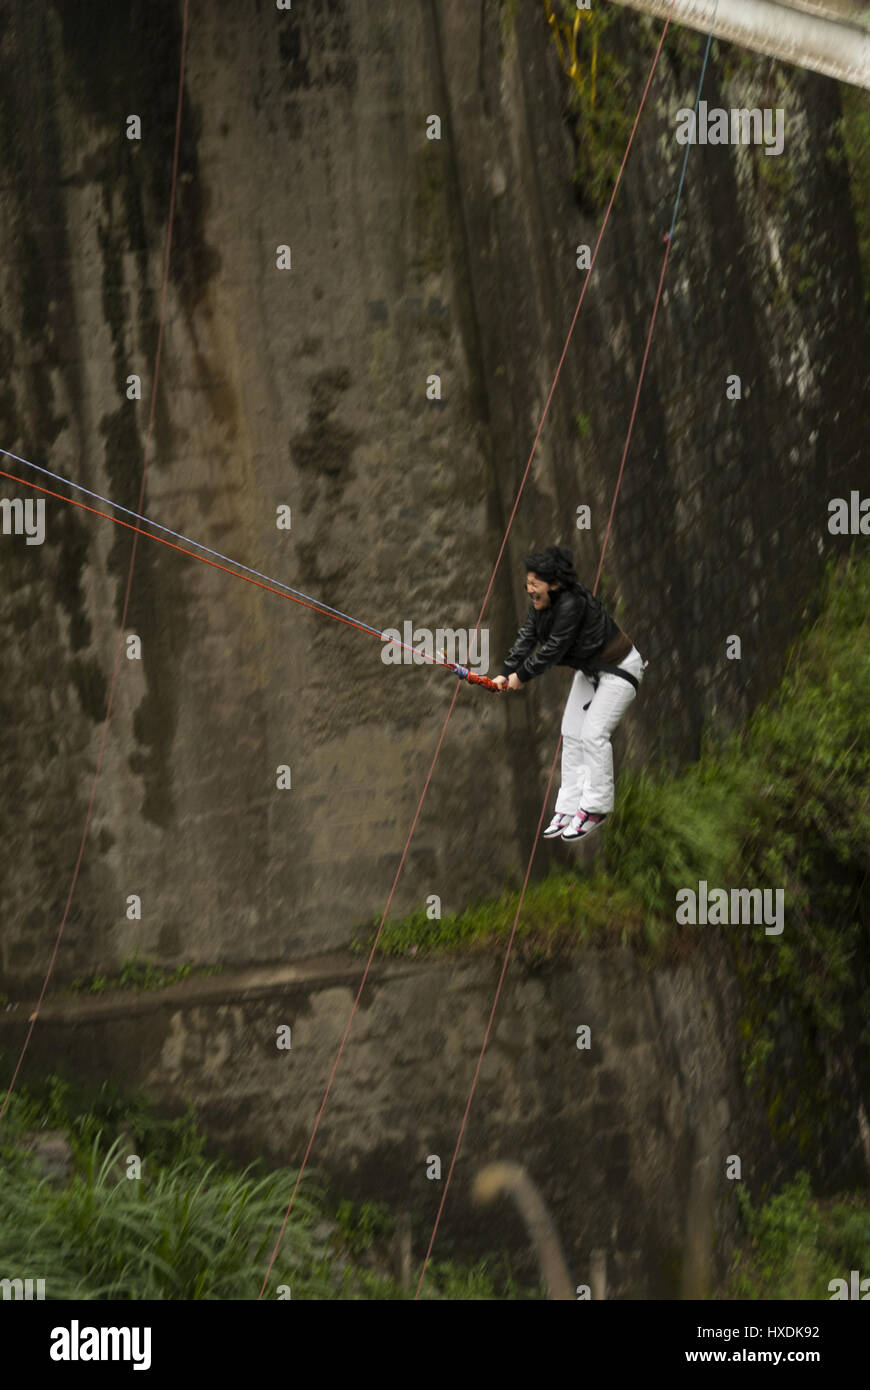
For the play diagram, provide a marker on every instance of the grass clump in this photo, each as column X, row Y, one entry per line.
column 795, row 1245
column 560, row 912
column 189, row 1228
column 185, row 1229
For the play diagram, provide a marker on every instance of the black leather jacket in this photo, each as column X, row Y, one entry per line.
column 572, row 631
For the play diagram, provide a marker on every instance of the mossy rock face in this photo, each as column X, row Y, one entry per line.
column 431, row 229
column 854, row 133
column 596, row 59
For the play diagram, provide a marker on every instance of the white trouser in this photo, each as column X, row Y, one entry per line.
column 587, row 756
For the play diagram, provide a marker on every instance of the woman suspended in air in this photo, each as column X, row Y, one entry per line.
column 570, row 627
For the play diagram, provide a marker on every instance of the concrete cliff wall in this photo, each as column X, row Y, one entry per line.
column 307, row 388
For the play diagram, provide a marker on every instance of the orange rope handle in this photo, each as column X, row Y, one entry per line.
column 465, row 675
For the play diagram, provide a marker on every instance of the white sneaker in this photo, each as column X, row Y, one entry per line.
column 556, row 826
column 583, row 824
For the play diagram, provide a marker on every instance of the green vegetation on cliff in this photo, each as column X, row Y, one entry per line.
column 795, row 1245
column 856, row 140
column 599, row 95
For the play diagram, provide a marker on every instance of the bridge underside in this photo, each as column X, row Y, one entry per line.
column 831, row 39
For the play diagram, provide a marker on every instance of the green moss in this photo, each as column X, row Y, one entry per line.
column 507, row 17
column 559, row 913
column 775, row 178
column 599, row 93
column 139, row 974
column 855, row 132
column 430, row 210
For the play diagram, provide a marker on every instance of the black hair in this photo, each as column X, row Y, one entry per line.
column 554, row 563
